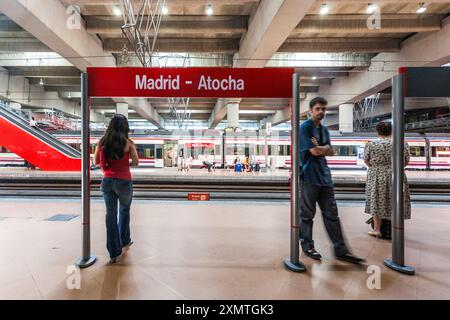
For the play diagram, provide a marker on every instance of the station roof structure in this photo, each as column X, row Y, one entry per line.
column 338, row 53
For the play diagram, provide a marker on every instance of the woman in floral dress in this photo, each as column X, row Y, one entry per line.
column 378, row 158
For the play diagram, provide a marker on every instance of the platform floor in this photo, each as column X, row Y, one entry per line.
column 211, row 251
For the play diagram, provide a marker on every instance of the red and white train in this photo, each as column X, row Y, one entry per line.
column 430, row 151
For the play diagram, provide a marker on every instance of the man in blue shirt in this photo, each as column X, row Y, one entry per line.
column 317, row 185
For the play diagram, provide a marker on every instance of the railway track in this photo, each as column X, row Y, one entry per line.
column 220, row 190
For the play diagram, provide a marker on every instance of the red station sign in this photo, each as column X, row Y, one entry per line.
column 200, row 145
column 190, row 82
column 198, row 196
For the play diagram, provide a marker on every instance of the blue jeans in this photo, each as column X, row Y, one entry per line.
column 117, row 234
column 324, row 196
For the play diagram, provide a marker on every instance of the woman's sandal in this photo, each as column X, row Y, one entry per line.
column 374, row 234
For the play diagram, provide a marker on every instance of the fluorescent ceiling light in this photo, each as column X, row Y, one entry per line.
column 421, row 8
column 371, row 7
column 324, row 9
column 117, row 11
column 209, row 10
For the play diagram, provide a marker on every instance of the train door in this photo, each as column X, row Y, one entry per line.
column 170, row 152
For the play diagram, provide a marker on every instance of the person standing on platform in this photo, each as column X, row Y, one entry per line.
column 378, row 158
column 317, row 185
column 113, row 154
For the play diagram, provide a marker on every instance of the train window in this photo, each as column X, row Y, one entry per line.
column 345, row 151
column 288, row 150
column 159, row 152
column 280, row 150
column 259, row 150
column 145, row 151
column 417, row 151
column 217, row 149
column 440, row 152
column 352, row 151
column 337, row 150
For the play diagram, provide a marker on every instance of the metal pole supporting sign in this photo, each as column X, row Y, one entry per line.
column 293, row 263
column 87, row 259
column 397, row 262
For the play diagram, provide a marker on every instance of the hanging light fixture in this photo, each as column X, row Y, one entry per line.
column 371, row 7
column 165, row 10
column 41, row 82
column 422, row 8
column 209, row 10
column 324, row 9
column 117, row 11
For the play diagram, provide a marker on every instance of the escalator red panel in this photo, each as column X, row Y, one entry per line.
column 34, row 150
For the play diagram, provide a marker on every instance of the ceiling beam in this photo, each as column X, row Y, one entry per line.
column 360, row 45
column 55, row 81
column 22, row 45
column 269, row 27
column 320, row 59
column 195, row 45
column 357, row 24
column 176, row 26
column 62, row 88
column 34, row 59
column 45, row 72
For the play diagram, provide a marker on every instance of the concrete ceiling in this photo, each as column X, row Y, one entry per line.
column 321, row 47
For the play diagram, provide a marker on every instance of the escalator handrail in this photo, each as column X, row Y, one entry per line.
column 45, row 136
column 51, row 141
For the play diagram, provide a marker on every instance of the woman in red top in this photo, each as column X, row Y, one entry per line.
column 113, row 154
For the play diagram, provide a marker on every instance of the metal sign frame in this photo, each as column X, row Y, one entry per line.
column 410, row 82
column 108, row 80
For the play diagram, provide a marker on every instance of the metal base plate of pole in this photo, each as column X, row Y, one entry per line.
column 399, row 268
column 295, row 267
column 85, row 263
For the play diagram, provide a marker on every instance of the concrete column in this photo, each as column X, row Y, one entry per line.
column 15, row 105
column 233, row 114
column 346, row 118
column 122, row 108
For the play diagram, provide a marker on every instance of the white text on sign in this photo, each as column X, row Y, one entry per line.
column 206, row 83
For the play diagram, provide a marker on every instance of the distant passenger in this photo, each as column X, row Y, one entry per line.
column 317, row 185
column 246, row 164
column 378, row 157
column 33, row 122
column 169, row 157
column 113, row 154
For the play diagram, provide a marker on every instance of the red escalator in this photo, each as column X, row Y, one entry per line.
column 35, row 145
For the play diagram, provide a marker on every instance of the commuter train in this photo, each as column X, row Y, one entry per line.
column 431, row 151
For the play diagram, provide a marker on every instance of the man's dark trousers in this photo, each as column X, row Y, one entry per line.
column 324, row 196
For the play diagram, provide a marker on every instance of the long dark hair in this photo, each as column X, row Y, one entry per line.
column 116, row 137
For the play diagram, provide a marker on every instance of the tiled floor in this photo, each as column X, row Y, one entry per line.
column 211, row 251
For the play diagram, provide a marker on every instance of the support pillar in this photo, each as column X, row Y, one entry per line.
column 346, row 118
column 122, row 108
column 15, row 105
column 397, row 262
column 293, row 262
column 87, row 259
column 233, row 114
